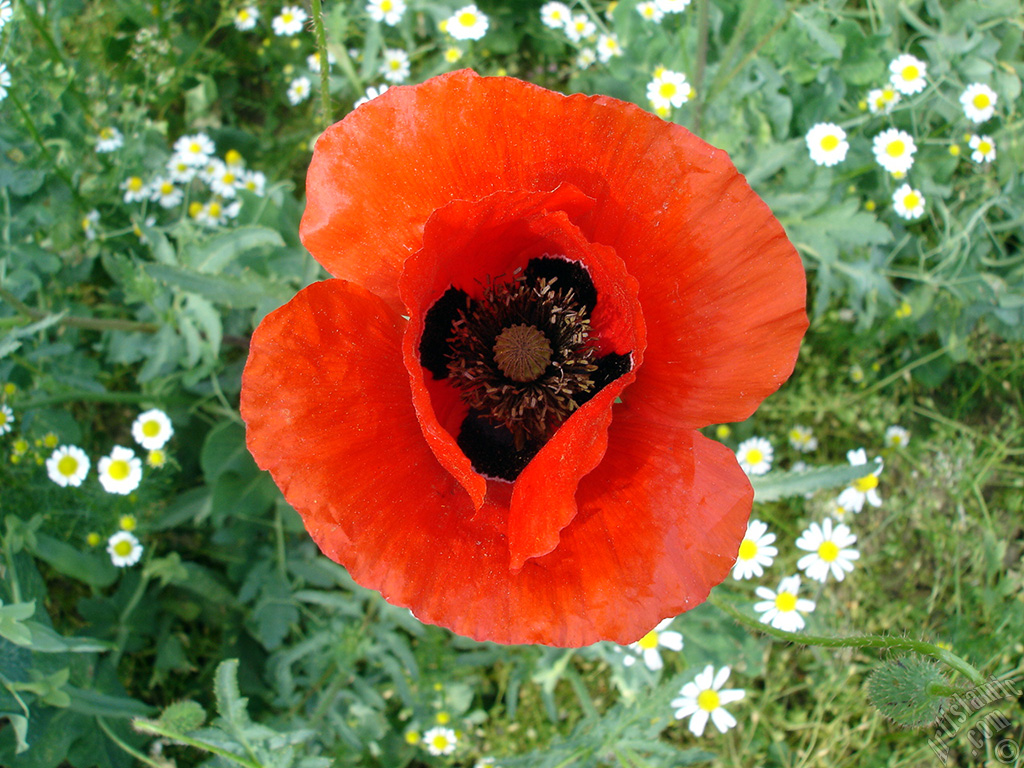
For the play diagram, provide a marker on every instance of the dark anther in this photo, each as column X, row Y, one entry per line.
column 564, row 274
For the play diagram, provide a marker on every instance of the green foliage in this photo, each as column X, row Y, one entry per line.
column 111, row 306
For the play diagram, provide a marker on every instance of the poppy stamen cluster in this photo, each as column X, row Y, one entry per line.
column 522, row 357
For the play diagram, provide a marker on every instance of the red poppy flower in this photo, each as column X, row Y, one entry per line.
column 490, row 415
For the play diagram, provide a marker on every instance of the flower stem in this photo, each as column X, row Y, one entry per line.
column 325, row 68
column 88, row 323
column 948, row 658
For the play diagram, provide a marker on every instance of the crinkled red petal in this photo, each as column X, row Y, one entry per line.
column 466, row 243
column 721, row 286
column 326, row 404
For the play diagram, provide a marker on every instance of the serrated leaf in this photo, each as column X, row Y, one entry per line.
column 183, row 716
column 780, row 485
column 213, row 255
column 12, row 338
column 231, row 705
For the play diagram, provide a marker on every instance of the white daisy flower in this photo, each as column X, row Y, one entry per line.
column 224, row 179
column 152, row 429
column 704, row 699
column 165, row 192
column 984, row 149
column 802, row 439
column 827, row 144
column 395, row 66
column 440, row 741
column 180, row 170
column 580, row 27
column 371, row 93
column 894, row 150
column 882, row 100
column 979, row 102
column 6, row 12
column 388, row 11
column 668, row 89
column 755, row 455
column 253, row 181
column 246, row 18
column 586, row 58
column 672, row 6
column 215, row 213
column 289, row 22
column 233, row 159
column 124, row 549
column 194, row 151
column 89, row 222
column 647, row 646
column 830, row 549
column 452, row 54
column 897, row 437
column 121, row 471
column 608, row 47
column 782, row 609
column 298, row 90
column 555, row 15
column 313, row 62
column 6, row 419
column 908, row 202
column 467, row 23
column 756, row 552
column 5, row 81
column 908, row 73
column 650, row 11
column 863, row 489
column 110, row 139
column 135, row 189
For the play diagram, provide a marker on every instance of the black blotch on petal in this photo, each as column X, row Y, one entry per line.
column 568, row 274
column 609, row 368
column 437, row 329
column 491, row 449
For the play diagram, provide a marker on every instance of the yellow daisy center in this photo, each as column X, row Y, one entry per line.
column 466, row 19
column 215, row 209
column 134, row 183
column 828, row 551
column 287, row 17
column 119, row 470
column 648, row 641
column 123, row 548
column 755, row 456
column 984, row 147
column 195, row 208
column 910, row 72
column 106, row 133
column 709, row 700
column 895, row 148
column 868, row 482
column 156, row 458
column 243, row 15
column 151, row 428
column 785, row 602
column 195, row 148
column 166, row 188
column 439, row 742
column 748, row 550
column 830, row 142
column 667, row 90
column 386, row 5
column 981, row 100
column 67, row 465
column 888, row 94
column 911, row 201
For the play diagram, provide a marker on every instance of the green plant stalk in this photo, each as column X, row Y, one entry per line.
column 133, row 752
column 948, row 658
column 87, row 323
column 325, row 69
column 38, row 139
column 154, row 728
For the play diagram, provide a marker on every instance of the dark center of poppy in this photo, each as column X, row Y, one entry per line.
column 522, row 357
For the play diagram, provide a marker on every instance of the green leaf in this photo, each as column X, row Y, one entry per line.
column 12, row 339
column 11, row 622
column 183, row 716
column 91, row 702
column 224, row 451
column 46, row 640
column 87, row 567
column 214, row 254
column 236, row 291
column 780, row 485
column 231, row 705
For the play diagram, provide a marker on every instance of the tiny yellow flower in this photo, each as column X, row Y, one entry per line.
column 954, row 150
column 904, row 310
column 722, row 431
column 127, row 523
column 10, row 388
column 93, row 539
column 443, row 718
column 412, row 737
column 50, row 440
column 869, row 205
